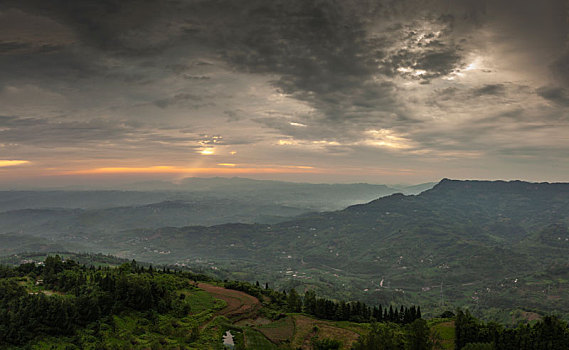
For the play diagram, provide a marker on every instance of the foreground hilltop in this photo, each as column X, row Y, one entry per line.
column 61, row 304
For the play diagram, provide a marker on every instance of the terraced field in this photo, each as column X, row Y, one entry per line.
column 306, row 328
column 256, row 340
column 239, row 305
column 295, row 331
column 279, row 331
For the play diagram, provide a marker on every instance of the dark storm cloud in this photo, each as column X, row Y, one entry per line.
column 422, row 54
column 557, row 95
column 234, row 116
column 328, row 73
column 560, row 67
column 56, row 133
column 49, row 67
column 325, row 54
column 14, row 47
column 41, row 132
column 110, row 25
column 184, row 99
column 490, row 89
column 11, row 46
column 319, row 52
column 322, row 53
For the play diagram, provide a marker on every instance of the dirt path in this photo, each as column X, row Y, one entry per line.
column 239, row 304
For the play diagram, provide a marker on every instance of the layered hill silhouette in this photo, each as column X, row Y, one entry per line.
column 481, row 244
column 477, row 243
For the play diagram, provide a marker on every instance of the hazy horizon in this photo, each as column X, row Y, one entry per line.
column 157, row 184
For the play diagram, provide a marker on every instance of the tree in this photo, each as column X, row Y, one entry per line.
column 294, row 303
column 419, row 335
column 326, row 344
column 381, row 336
column 478, row 346
column 310, row 302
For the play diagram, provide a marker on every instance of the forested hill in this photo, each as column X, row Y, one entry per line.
column 60, row 304
column 491, row 244
column 492, row 195
column 497, row 247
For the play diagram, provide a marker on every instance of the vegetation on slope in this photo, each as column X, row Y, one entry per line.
column 60, row 304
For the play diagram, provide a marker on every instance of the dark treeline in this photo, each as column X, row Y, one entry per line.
column 388, row 336
column 90, row 295
column 550, row 333
column 351, row 311
column 330, row 309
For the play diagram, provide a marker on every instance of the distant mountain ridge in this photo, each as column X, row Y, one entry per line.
column 472, row 236
column 480, row 244
column 195, row 201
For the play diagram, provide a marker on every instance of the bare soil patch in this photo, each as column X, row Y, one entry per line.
column 239, row 305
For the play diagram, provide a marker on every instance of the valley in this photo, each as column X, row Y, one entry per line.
column 498, row 248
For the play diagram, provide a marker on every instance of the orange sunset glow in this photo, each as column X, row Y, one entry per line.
column 9, row 163
column 232, row 170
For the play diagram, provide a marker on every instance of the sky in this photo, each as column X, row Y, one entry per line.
column 398, row 91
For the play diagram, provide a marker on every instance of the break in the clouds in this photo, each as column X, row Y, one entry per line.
column 381, row 91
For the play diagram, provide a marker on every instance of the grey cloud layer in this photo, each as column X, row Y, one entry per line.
column 353, row 66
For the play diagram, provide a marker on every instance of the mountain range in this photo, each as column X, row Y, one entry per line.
column 488, row 245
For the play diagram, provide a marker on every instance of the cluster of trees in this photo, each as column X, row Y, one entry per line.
column 388, row 336
column 349, row 311
column 550, row 333
column 329, row 309
column 23, row 315
column 90, row 294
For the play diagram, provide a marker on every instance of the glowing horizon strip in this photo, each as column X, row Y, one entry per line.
column 7, row 163
column 181, row 170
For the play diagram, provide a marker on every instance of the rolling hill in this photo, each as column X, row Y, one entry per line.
column 487, row 245
column 477, row 243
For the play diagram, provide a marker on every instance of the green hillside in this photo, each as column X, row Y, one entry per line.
column 488, row 246
column 498, row 248
column 61, row 304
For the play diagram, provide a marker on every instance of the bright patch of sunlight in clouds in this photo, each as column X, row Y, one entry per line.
column 386, row 138
column 7, row 163
column 207, row 151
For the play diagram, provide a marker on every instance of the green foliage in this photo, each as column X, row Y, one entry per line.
column 549, row 333
column 419, row 336
column 257, row 341
column 381, row 336
column 62, row 304
column 294, row 303
column 478, row 346
column 70, row 300
column 326, row 344
column 496, row 246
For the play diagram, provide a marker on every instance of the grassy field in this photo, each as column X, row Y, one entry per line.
column 200, row 301
column 279, row 331
column 257, row 341
column 306, row 328
column 445, row 332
